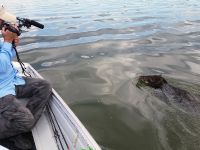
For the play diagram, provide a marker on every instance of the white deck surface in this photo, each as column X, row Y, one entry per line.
column 3, row 148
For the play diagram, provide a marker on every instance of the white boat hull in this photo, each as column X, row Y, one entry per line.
column 68, row 127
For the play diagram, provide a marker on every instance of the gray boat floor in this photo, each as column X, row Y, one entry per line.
column 8, row 143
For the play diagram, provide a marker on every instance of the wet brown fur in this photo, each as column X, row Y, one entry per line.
column 155, row 81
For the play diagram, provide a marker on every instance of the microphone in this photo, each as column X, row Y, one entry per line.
column 35, row 23
column 28, row 23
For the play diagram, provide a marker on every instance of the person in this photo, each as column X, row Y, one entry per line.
column 15, row 116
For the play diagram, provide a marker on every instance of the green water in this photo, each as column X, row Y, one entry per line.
column 92, row 52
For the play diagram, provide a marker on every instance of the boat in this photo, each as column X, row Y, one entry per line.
column 59, row 128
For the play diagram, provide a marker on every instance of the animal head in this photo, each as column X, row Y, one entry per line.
column 154, row 81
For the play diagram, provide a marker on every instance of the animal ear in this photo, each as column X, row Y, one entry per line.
column 138, row 85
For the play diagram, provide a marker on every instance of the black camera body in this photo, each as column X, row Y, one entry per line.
column 23, row 22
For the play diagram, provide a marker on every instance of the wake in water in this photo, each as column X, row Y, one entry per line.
column 181, row 122
column 174, row 96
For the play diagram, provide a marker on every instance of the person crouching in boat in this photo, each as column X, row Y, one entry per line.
column 16, row 118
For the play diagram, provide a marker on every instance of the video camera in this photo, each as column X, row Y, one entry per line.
column 22, row 22
column 7, row 19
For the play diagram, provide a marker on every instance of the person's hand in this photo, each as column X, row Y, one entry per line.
column 16, row 41
column 9, row 36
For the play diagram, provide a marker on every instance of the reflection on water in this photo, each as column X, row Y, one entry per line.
column 92, row 53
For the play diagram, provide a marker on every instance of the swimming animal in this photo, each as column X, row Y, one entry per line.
column 174, row 96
